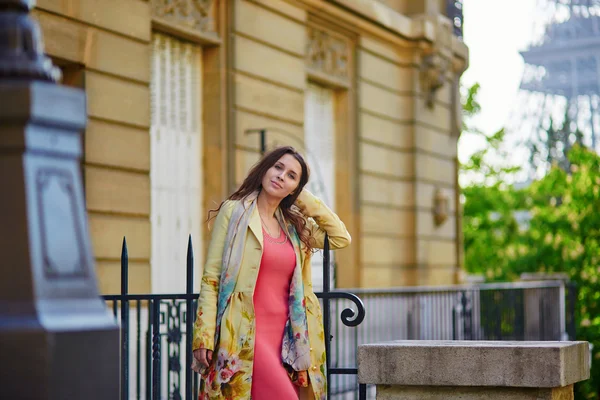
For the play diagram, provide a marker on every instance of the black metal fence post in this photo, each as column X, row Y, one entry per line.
column 349, row 318
column 138, row 361
column 189, row 288
column 149, row 349
column 570, row 310
column 327, row 313
column 124, row 322
column 156, row 375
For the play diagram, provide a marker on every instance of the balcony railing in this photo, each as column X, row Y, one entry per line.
column 455, row 13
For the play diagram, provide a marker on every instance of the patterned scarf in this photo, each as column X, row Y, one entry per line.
column 296, row 346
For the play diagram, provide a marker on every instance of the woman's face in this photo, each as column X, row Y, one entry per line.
column 283, row 177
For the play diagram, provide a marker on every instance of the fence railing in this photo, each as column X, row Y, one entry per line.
column 157, row 365
column 156, row 329
column 537, row 311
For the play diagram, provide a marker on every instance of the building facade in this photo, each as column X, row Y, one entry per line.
column 178, row 92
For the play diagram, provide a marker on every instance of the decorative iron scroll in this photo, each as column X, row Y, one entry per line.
column 192, row 14
column 327, row 54
column 166, row 355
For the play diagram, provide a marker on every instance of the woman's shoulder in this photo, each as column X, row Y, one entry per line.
column 228, row 206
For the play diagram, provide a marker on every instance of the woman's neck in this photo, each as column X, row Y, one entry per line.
column 266, row 204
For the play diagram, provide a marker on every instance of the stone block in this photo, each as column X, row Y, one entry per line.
column 474, row 364
column 390, row 392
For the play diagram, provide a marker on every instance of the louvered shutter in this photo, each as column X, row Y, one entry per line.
column 176, row 160
column 320, row 151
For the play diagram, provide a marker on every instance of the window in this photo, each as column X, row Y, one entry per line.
column 176, row 159
column 320, row 153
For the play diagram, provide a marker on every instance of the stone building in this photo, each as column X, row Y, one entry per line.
column 178, row 89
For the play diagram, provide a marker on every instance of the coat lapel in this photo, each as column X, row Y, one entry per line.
column 255, row 226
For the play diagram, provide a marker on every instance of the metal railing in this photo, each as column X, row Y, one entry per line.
column 156, row 329
column 506, row 311
column 163, row 323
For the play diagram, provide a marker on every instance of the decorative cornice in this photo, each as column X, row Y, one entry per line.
column 190, row 14
column 328, row 54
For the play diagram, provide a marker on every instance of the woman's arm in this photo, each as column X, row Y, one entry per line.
column 206, row 317
column 322, row 221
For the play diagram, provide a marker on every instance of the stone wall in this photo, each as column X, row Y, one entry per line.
column 393, row 74
column 103, row 47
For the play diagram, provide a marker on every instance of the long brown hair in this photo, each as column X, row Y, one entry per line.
column 253, row 183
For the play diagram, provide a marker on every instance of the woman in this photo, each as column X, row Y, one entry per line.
column 258, row 331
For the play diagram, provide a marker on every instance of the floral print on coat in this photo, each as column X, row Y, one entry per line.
column 229, row 375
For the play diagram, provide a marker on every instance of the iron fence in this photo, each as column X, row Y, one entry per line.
column 156, row 330
column 517, row 311
column 158, row 364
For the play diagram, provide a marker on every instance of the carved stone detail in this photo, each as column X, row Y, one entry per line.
column 192, row 14
column 437, row 60
column 433, row 70
column 327, row 53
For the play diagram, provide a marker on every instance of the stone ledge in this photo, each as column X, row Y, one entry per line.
column 474, row 363
column 389, row 392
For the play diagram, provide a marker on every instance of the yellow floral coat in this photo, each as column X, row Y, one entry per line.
column 229, row 375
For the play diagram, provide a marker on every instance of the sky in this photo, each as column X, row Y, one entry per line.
column 495, row 32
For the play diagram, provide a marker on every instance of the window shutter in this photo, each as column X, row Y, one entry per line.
column 320, row 153
column 176, row 159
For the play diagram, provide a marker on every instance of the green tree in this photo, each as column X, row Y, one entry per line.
column 560, row 234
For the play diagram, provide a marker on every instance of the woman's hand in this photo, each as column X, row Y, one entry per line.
column 203, row 356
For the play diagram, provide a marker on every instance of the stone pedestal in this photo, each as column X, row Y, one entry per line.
column 57, row 339
column 468, row 370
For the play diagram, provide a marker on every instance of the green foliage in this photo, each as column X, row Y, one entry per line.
column 479, row 167
column 551, row 146
column 553, row 225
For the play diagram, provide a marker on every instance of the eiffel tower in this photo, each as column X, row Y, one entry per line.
column 562, row 66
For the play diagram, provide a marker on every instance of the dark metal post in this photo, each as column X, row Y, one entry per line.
column 362, row 391
column 327, row 312
column 262, row 137
column 463, row 303
column 138, row 361
column 156, row 350
column 148, row 352
column 51, row 311
column 263, row 141
column 189, row 320
column 571, row 304
column 124, row 322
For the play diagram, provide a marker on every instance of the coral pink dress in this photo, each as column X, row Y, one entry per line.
column 269, row 378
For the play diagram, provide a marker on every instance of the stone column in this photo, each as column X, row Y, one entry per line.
column 469, row 370
column 57, row 340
